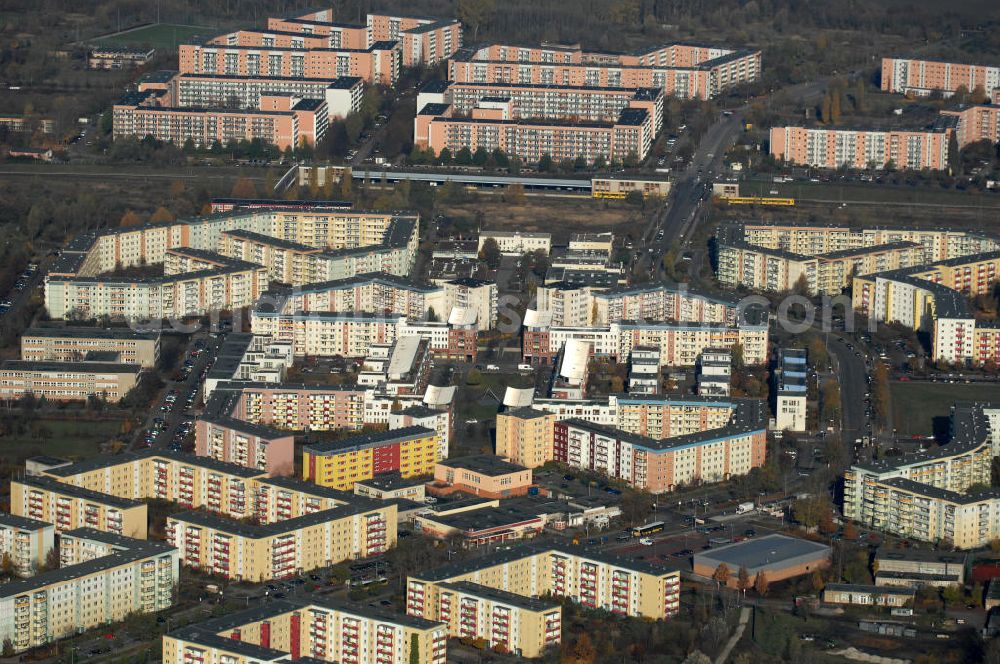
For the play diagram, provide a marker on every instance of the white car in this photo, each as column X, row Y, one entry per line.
column 646, row 541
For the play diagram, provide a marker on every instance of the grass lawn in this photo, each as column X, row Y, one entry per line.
column 166, row 36
column 915, row 405
column 73, row 439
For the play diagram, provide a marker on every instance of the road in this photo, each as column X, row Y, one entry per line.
column 853, row 375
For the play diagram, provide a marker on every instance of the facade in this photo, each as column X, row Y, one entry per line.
column 113, row 57
column 69, row 507
column 313, row 631
column 588, row 577
column 492, row 126
column 523, row 436
column 67, row 381
column 476, row 294
column 682, row 70
column 864, row 148
column 26, row 541
column 102, row 579
column 912, row 567
column 411, row 451
column 71, row 344
column 282, row 121
column 375, row 292
column 246, row 444
column 425, row 40
column 483, row 475
column 849, row 593
column 286, row 547
column 978, row 123
column 791, row 393
column 522, row 626
column 921, row 77
column 342, row 94
column 516, row 243
column 776, row 557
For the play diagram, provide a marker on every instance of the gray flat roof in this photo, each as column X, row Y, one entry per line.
column 763, row 553
column 22, row 522
column 486, row 464
column 90, row 333
column 50, row 484
column 522, row 601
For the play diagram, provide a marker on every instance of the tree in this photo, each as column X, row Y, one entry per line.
column 850, row 532
column 490, row 253
column 581, row 652
column 721, row 574
column 414, row 649
column 801, row 286
column 545, row 164
column 474, row 377
column 824, row 111
column 161, row 214
column 464, row 156
column 761, row 584
column 835, row 107
column 346, row 181
column 6, row 564
column 475, row 13
column 244, row 188
column 743, row 579
column 8, row 648
column 130, row 218
column 978, row 95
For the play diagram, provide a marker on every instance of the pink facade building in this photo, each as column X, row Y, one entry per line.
column 864, row 148
column 977, row 123
column 245, row 444
column 922, row 77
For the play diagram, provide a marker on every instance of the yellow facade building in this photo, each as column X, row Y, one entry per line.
column 524, row 435
column 69, row 507
column 410, row 451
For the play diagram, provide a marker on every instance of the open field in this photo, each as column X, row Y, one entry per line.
column 915, row 405
column 165, row 36
column 72, row 439
column 559, row 216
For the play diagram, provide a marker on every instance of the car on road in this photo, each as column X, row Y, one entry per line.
column 646, row 541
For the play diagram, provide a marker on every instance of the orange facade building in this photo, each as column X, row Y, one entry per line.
column 863, row 148
column 977, row 123
column 921, row 77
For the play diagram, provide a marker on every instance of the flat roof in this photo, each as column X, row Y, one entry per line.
column 773, row 551
column 502, row 596
column 22, row 522
column 91, row 333
column 366, row 440
column 50, row 484
column 76, row 366
column 484, row 464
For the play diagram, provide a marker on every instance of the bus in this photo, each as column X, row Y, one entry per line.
column 648, row 529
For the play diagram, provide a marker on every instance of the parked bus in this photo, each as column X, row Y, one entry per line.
column 648, row 529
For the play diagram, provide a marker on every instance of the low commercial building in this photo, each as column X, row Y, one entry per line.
column 482, row 524
column 67, row 381
column 865, row 148
column 863, row 595
column 309, row 631
column 391, row 486
column 915, row 567
column 522, row 626
column 257, row 553
column 591, row 578
column 517, row 243
column 411, row 451
column 483, row 475
column 118, row 57
column 774, row 557
column 26, row 542
column 102, row 579
column 71, row 344
column 68, row 507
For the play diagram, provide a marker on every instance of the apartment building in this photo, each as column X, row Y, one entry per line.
column 411, row 451
column 72, row 344
column 484, row 475
column 279, row 120
column 791, row 382
column 516, row 243
column 682, row 70
column 375, row 292
column 278, row 499
column 26, row 542
column 865, row 148
column 340, row 34
column 440, row 420
column 778, row 270
column 715, row 367
column 680, row 343
column 245, row 357
column 293, row 407
column 286, row 262
column 377, row 63
column 925, row 495
column 253, row 446
column 124, row 577
column 353, row 241
column 815, row 239
column 713, row 454
column 67, row 381
column 523, row 436
column 425, row 40
column 921, row 77
column 342, row 94
column 977, row 123
column 588, row 577
column 309, row 631
column 286, row 547
column 472, row 294
column 550, row 102
column 69, row 507
column 522, row 626
column 492, row 125
column 186, row 479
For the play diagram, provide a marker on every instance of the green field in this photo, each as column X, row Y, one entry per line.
column 915, row 405
column 164, row 36
column 73, row 439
